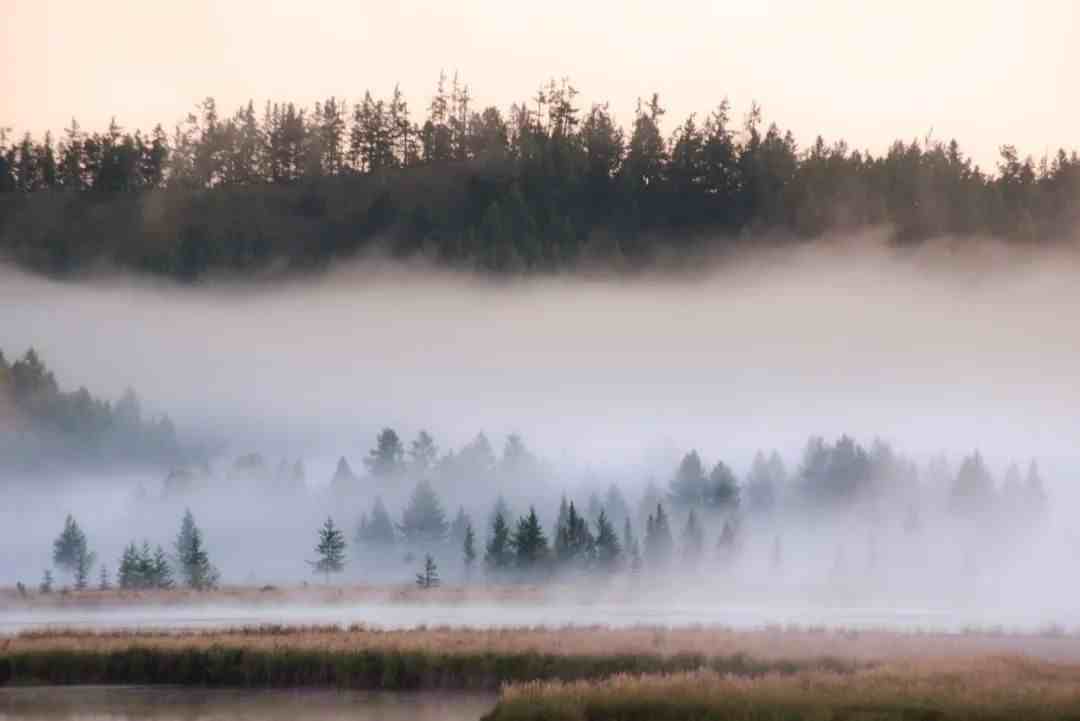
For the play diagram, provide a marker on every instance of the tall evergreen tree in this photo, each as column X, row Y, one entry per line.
column 530, row 544
column 196, row 571
column 469, row 548
column 330, row 549
column 423, row 522
column 608, row 550
column 658, row 540
column 387, row 457
column 499, row 553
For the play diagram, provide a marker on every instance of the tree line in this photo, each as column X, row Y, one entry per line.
column 548, row 185
column 139, row 568
column 45, row 422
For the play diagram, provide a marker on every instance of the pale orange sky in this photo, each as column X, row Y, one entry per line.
column 986, row 72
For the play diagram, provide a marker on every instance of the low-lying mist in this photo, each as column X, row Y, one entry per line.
column 947, row 348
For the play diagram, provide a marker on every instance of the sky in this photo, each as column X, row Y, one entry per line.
column 986, row 72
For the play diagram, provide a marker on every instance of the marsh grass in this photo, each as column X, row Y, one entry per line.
column 357, row 658
column 983, row 689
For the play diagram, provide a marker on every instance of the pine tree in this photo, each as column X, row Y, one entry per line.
column 376, row 530
column 423, row 522
column 103, row 579
column 70, row 552
column 530, row 544
column 46, row 582
column 84, row 561
column 469, row 548
column 498, row 555
column 196, row 571
column 658, row 541
column 331, row 550
column 693, row 540
column 387, row 457
column 161, row 570
column 608, row 550
column 430, row 576
column 457, row 527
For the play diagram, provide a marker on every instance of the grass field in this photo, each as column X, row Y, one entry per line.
column 982, row 689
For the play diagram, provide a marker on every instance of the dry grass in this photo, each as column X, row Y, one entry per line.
column 983, row 688
column 766, row 644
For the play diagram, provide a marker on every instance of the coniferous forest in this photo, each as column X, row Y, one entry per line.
column 549, row 185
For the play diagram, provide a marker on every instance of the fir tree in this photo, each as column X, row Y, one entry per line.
column 423, row 522
column 46, row 582
column 430, row 576
column 608, row 550
column 469, row 548
column 388, row 455
column 498, row 555
column 196, row 571
column 331, row 550
column 529, row 542
column 376, row 530
column 103, row 579
column 658, row 541
column 71, row 554
column 161, row 570
column 693, row 539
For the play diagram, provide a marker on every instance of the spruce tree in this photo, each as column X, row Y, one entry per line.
column 693, row 540
column 46, row 582
column 530, row 544
column 331, row 550
column 196, row 571
column 608, row 550
column 161, row 570
column 469, row 548
column 429, row 578
column 70, row 552
column 658, row 541
column 103, row 579
column 376, row 530
column 499, row 554
column 423, row 522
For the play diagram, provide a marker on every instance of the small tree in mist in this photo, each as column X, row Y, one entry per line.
column 429, row 577
column 608, row 550
column 530, row 544
column 331, row 550
column 103, row 579
column 574, row 543
column 631, row 547
column 70, row 552
column 722, row 488
column 457, row 527
column 726, row 544
column 388, row 456
column 658, row 541
column 423, row 522
column 376, row 530
column 469, row 549
column 689, row 484
column 196, row 571
column 498, row 555
column 344, row 479
column 693, row 540
column 46, row 585
column 161, row 575
column 422, row 454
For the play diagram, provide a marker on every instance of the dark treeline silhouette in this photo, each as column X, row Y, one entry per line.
column 549, row 185
column 42, row 426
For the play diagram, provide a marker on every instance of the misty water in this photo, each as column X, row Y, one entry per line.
column 88, row 703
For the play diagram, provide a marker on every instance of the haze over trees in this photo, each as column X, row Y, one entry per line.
column 548, row 184
column 44, row 426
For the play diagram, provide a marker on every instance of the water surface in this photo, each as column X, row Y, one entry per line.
column 99, row 703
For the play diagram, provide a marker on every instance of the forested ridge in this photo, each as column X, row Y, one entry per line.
column 549, row 185
column 43, row 426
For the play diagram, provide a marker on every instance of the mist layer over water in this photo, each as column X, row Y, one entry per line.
column 942, row 349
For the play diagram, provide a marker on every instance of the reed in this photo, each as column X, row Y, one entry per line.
column 983, row 689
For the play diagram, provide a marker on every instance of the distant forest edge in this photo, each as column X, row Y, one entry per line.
column 549, row 186
column 44, row 427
